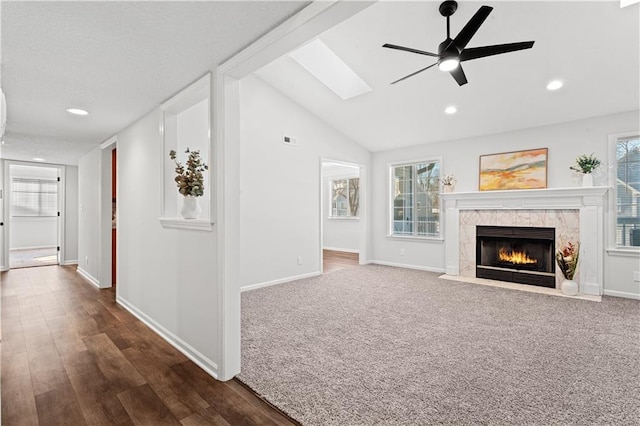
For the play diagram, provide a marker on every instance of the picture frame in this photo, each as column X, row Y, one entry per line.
column 525, row 169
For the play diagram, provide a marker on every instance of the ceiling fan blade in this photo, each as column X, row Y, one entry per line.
column 472, row 26
column 481, row 52
column 409, row 49
column 458, row 75
column 414, row 73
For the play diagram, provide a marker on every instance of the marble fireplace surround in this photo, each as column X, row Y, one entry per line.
column 575, row 213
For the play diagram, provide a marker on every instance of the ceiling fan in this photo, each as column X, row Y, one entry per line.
column 453, row 51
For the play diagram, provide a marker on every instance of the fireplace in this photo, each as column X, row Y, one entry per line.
column 523, row 255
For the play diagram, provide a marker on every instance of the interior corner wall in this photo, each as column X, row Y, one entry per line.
column 89, row 215
column 167, row 277
column 565, row 142
column 71, row 215
column 280, row 184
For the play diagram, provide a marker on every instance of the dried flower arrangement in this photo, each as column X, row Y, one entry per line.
column 189, row 179
column 567, row 258
column 448, row 180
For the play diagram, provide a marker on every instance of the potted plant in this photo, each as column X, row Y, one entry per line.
column 190, row 182
column 586, row 164
column 448, row 182
column 567, row 258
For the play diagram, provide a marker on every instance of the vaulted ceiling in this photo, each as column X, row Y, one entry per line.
column 121, row 59
column 593, row 47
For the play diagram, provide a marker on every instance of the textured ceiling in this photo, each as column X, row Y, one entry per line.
column 593, row 46
column 116, row 59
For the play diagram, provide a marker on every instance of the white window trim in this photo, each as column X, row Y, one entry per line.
column 613, row 249
column 390, row 235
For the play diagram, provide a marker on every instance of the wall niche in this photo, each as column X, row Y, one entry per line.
column 186, row 123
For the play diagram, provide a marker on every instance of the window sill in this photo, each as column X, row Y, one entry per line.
column 356, row 218
column 193, row 224
column 624, row 252
column 415, row 238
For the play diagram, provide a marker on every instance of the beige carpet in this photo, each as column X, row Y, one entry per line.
column 380, row 345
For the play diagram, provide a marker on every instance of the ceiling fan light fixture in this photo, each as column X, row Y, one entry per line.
column 449, row 64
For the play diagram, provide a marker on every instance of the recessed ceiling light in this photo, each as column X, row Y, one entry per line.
column 451, row 110
column 38, row 159
column 326, row 66
column 77, row 111
column 554, row 85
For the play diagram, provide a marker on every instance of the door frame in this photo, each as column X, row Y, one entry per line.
column 6, row 208
column 362, row 215
column 105, row 214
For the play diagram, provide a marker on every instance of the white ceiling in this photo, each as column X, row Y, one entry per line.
column 116, row 59
column 121, row 59
column 592, row 46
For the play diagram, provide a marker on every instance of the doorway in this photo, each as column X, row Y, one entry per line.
column 34, row 215
column 341, row 215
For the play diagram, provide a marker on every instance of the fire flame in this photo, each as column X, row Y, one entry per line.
column 515, row 257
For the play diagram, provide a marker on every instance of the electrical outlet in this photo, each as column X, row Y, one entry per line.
column 299, row 260
column 636, row 276
column 401, row 252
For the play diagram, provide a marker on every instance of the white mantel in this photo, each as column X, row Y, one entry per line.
column 590, row 202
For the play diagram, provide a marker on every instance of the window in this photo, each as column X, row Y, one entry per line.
column 415, row 199
column 345, row 197
column 627, row 190
column 34, row 197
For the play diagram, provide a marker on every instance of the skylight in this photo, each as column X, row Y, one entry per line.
column 327, row 67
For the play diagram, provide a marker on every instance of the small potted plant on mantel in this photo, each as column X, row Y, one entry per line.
column 448, row 183
column 190, row 182
column 586, row 164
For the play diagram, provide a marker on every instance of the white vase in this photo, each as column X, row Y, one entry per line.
column 448, row 189
column 190, row 207
column 587, row 180
column 569, row 287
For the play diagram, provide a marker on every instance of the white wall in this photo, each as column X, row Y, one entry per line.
column 168, row 277
column 343, row 233
column 565, row 142
column 280, row 184
column 71, row 215
column 88, row 215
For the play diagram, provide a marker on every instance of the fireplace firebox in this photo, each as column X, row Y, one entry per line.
column 523, row 255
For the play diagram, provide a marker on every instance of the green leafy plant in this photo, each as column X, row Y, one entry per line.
column 586, row 164
column 189, row 179
column 567, row 259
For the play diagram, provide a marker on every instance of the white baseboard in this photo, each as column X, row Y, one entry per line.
column 341, row 249
column 189, row 351
column 403, row 265
column 69, row 263
column 280, row 281
column 87, row 276
column 624, row 294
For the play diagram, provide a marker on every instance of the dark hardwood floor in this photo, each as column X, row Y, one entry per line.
column 71, row 355
column 333, row 260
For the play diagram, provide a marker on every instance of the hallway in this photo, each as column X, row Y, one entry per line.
column 71, row 355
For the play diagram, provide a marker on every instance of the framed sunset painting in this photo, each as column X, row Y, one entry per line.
column 514, row 170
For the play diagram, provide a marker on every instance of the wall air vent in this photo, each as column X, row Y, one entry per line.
column 288, row 140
